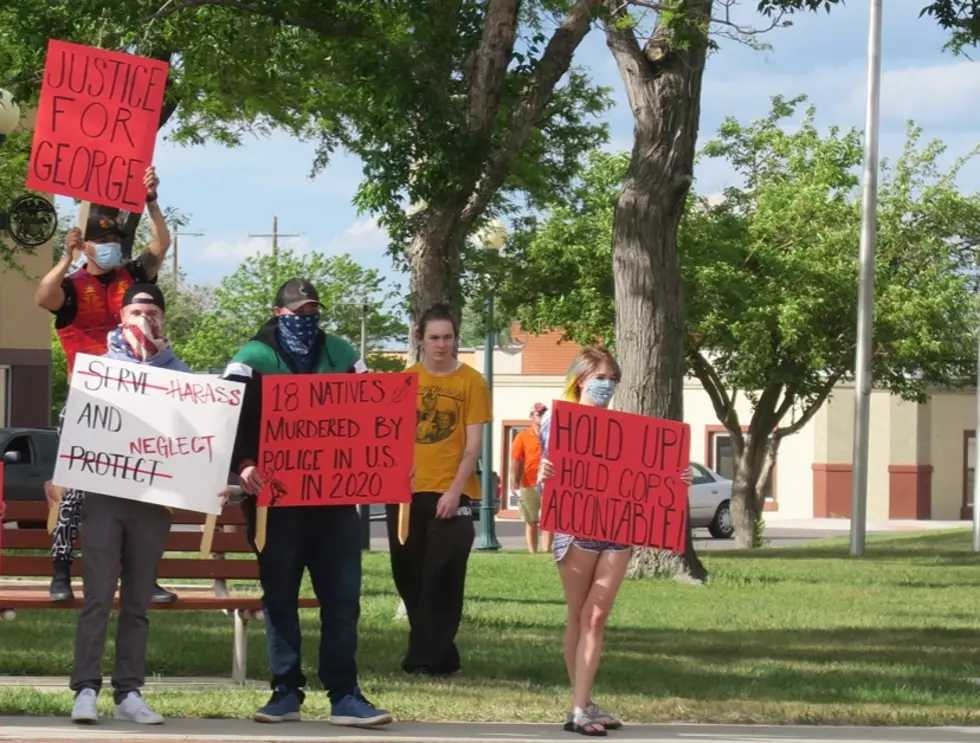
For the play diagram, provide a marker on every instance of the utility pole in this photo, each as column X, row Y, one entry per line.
column 177, row 235
column 275, row 235
column 866, row 289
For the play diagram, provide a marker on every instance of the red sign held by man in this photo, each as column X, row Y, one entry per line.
column 96, row 125
column 337, row 439
column 617, row 477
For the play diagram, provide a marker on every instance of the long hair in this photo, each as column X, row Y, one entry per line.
column 586, row 362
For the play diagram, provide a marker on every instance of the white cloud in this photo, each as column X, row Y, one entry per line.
column 219, row 250
column 363, row 236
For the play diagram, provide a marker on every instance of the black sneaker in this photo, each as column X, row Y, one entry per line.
column 60, row 590
column 162, row 596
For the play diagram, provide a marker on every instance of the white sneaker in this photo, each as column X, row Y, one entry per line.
column 134, row 709
column 85, row 709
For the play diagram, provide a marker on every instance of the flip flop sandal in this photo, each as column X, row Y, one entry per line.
column 581, row 723
column 603, row 718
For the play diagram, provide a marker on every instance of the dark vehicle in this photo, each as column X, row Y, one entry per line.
column 29, row 456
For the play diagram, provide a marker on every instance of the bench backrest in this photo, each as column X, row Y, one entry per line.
column 192, row 565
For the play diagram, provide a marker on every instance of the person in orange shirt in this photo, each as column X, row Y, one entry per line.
column 525, row 458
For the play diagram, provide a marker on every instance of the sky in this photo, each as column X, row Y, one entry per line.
column 229, row 193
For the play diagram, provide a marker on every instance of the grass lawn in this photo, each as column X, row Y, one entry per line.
column 803, row 635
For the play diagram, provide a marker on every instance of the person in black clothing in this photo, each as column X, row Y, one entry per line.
column 326, row 540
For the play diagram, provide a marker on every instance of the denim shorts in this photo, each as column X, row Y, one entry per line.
column 564, row 541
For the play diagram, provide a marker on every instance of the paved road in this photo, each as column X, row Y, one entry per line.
column 49, row 730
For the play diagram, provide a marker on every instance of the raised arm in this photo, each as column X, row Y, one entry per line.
column 152, row 257
column 49, row 294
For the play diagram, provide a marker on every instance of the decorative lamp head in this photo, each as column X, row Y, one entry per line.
column 9, row 115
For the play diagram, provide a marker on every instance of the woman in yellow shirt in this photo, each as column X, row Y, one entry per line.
column 429, row 563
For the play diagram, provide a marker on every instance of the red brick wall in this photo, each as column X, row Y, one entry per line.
column 545, row 353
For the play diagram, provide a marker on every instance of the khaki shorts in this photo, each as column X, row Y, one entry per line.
column 530, row 505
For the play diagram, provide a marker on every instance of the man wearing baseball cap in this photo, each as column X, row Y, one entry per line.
column 525, row 455
column 326, row 540
column 124, row 541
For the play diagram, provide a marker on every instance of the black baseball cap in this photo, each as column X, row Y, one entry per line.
column 102, row 225
column 296, row 293
column 156, row 296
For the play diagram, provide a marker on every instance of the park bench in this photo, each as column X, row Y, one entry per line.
column 242, row 606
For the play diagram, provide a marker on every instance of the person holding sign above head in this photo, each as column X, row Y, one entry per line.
column 87, row 302
column 591, row 571
column 123, row 538
column 325, row 539
column 430, row 548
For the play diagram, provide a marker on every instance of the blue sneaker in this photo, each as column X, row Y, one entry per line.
column 356, row 711
column 282, row 707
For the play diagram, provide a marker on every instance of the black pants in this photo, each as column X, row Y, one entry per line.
column 327, row 541
column 430, row 575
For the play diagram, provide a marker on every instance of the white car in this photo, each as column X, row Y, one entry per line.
column 710, row 499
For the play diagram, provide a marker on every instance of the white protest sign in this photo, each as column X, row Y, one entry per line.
column 140, row 432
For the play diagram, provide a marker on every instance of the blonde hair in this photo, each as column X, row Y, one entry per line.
column 586, row 362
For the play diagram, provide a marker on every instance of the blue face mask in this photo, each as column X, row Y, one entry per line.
column 107, row 255
column 601, row 391
column 298, row 332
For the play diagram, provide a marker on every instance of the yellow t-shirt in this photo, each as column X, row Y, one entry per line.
column 448, row 403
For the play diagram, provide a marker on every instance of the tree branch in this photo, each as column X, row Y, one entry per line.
column 724, row 405
column 334, row 30
column 811, row 410
column 490, row 69
column 552, row 66
column 743, row 30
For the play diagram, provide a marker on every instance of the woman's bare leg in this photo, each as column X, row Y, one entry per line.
column 610, row 570
column 576, row 570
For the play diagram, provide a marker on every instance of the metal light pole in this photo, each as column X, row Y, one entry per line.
column 866, row 289
column 364, row 511
column 493, row 237
column 177, row 236
column 976, row 455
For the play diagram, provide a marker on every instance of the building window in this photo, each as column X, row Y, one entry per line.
column 723, row 460
column 969, row 468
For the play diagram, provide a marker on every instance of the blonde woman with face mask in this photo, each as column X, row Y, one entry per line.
column 591, row 570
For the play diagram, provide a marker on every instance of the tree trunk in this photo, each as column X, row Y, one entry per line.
column 663, row 83
column 745, row 509
column 434, row 261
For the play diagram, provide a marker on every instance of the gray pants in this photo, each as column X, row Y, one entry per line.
column 127, row 537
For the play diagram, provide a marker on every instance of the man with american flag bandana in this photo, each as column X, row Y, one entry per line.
column 123, row 537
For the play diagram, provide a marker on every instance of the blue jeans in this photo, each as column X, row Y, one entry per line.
column 327, row 541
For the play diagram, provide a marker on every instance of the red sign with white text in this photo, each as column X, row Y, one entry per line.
column 617, row 477
column 96, row 125
column 337, row 439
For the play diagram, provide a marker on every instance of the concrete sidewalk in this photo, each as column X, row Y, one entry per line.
column 49, row 730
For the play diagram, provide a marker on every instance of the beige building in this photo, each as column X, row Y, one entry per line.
column 25, row 343
column 25, row 335
column 922, row 457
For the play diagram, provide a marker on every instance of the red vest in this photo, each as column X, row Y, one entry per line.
column 97, row 314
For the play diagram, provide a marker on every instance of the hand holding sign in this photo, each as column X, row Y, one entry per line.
column 151, row 182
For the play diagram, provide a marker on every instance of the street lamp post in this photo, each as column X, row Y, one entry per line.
column 492, row 237
column 866, row 289
column 9, row 114
column 177, row 235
